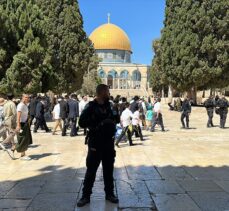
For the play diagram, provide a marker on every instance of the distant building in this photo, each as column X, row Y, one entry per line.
column 116, row 70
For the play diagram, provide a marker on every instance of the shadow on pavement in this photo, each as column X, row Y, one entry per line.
column 138, row 187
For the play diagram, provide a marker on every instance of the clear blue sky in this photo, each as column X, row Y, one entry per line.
column 142, row 20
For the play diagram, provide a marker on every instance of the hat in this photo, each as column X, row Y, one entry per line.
column 2, row 101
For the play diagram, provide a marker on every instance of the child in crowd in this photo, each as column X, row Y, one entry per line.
column 149, row 117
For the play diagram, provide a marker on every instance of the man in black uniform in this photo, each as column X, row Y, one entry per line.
column 186, row 111
column 209, row 104
column 100, row 119
column 223, row 105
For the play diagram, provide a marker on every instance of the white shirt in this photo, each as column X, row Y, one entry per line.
column 136, row 118
column 82, row 105
column 126, row 117
column 23, row 108
column 157, row 107
column 56, row 111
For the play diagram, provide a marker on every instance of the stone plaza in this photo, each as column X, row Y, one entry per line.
column 179, row 170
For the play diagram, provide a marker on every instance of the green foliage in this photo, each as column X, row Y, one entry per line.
column 157, row 79
column 70, row 49
column 42, row 46
column 194, row 44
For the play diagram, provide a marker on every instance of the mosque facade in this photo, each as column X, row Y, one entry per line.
column 113, row 47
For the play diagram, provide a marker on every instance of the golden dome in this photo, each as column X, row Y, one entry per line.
column 110, row 37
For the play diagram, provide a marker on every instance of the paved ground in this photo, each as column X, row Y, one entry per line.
column 180, row 170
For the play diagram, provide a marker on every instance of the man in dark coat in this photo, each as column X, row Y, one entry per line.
column 100, row 119
column 40, row 116
column 64, row 110
column 186, row 111
column 32, row 108
column 135, row 104
column 222, row 105
column 209, row 104
column 73, row 114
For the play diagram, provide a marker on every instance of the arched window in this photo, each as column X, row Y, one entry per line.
column 102, row 74
column 136, row 77
column 113, row 73
column 112, row 79
column 124, row 74
column 124, row 80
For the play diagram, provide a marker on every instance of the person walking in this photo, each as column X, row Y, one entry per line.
column 82, row 105
column 209, row 104
column 149, row 117
column 23, row 129
column 10, row 118
column 222, row 105
column 126, row 117
column 64, row 110
column 2, row 102
column 56, row 116
column 40, row 116
column 186, row 111
column 99, row 118
column 73, row 114
column 32, row 108
column 136, row 124
column 158, row 118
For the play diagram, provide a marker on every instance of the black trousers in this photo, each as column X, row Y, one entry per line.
column 223, row 118
column 31, row 118
column 129, row 135
column 40, row 122
column 137, row 129
column 158, row 121
column 210, row 113
column 65, row 126
column 94, row 157
column 185, row 115
column 72, row 122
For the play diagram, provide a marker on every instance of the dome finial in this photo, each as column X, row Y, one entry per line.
column 109, row 17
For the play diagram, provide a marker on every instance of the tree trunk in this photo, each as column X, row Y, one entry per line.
column 192, row 94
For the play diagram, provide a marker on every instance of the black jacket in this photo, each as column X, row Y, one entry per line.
column 64, row 109
column 73, row 106
column 40, row 110
column 101, row 121
column 134, row 106
column 32, row 107
column 186, row 106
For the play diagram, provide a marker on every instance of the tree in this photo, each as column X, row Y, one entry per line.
column 42, row 46
column 157, row 79
column 69, row 47
column 25, row 68
column 194, row 44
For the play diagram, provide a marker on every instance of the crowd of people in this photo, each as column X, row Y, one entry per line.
column 14, row 121
column 218, row 105
column 135, row 114
column 105, row 121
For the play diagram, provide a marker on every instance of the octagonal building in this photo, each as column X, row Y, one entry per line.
column 113, row 47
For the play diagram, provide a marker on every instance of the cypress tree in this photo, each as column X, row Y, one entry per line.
column 70, row 50
column 194, row 44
